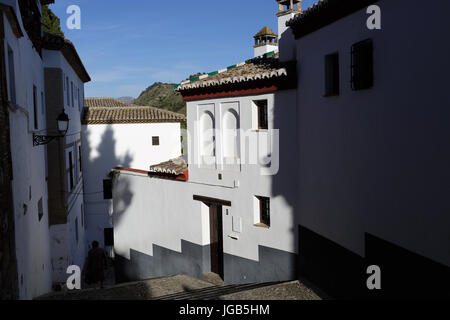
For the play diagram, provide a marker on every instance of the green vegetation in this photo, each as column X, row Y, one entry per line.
column 163, row 96
column 51, row 23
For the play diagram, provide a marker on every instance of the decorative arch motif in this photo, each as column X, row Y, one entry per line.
column 207, row 135
column 231, row 126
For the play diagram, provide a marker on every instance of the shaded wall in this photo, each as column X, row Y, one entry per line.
column 376, row 161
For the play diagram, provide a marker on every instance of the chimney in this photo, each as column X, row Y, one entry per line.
column 287, row 9
column 265, row 41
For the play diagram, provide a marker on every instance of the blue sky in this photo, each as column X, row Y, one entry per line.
column 128, row 45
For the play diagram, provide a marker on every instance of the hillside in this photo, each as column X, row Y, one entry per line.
column 126, row 99
column 162, row 95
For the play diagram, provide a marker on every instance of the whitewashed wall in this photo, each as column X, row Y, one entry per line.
column 76, row 251
column 127, row 145
column 149, row 211
column 32, row 235
column 377, row 160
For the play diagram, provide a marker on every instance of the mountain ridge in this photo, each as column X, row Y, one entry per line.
column 162, row 95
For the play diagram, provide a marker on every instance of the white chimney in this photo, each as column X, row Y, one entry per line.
column 287, row 9
column 265, row 41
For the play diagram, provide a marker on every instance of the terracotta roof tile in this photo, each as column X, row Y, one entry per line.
column 175, row 166
column 264, row 67
column 266, row 31
column 113, row 111
column 104, row 103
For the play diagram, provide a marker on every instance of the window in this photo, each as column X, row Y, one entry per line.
column 42, row 104
column 68, row 91
column 263, row 123
column 35, row 108
column 76, row 229
column 78, row 98
column 40, row 209
column 12, row 76
column 362, row 65
column 83, row 217
column 107, row 189
column 71, row 93
column 155, row 141
column 332, row 74
column 264, row 212
column 79, row 157
column 109, row 237
column 71, row 181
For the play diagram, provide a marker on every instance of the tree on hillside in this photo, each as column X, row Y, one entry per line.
column 51, row 23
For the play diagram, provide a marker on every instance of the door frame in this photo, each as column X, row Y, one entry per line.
column 215, row 222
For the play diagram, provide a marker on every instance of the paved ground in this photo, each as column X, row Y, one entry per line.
column 181, row 287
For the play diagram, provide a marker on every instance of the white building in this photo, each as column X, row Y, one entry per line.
column 65, row 76
column 23, row 100
column 372, row 141
column 118, row 134
column 361, row 160
column 234, row 214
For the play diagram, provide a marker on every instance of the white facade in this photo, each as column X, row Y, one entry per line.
column 259, row 51
column 69, row 242
column 163, row 213
column 126, row 145
column 384, row 142
column 360, row 177
column 29, row 164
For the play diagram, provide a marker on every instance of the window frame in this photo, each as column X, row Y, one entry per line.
column 332, row 75
column 264, row 217
column 262, row 117
column 362, row 65
column 107, row 189
column 68, row 91
column 12, row 76
column 71, row 94
column 35, row 109
column 71, row 175
column 40, row 209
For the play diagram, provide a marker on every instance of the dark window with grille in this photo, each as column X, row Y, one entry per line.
column 71, row 171
column 264, row 210
column 362, row 65
column 107, row 189
column 332, row 74
column 109, row 237
column 155, row 141
column 263, row 118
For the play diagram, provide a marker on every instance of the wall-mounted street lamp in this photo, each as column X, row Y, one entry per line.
column 63, row 126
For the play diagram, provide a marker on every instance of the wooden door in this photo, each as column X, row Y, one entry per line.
column 216, row 232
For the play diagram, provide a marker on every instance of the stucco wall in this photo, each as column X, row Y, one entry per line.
column 29, row 185
column 152, row 213
column 127, row 145
column 377, row 160
column 64, row 229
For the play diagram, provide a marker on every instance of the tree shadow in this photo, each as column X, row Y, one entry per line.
column 100, row 156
